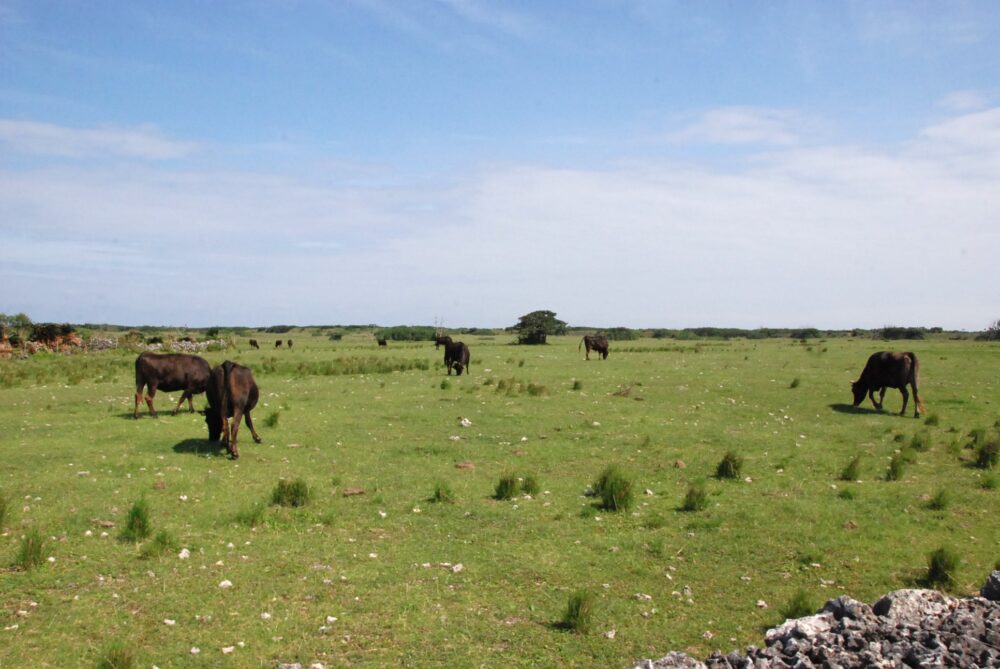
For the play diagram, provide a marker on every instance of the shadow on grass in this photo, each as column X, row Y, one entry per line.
column 200, row 447
column 849, row 408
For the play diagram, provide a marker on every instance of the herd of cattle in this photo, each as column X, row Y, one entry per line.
column 232, row 392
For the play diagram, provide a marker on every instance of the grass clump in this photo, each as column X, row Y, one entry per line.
column 941, row 566
column 579, row 615
column 290, row 493
column 445, row 384
column 506, row 487
column 729, row 467
column 696, row 498
column 614, row 489
column 253, row 516
column 116, row 656
column 162, row 543
column 4, row 506
column 988, row 454
column 272, row 419
column 137, row 523
column 852, row 472
column 29, row 555
column 442, row 494
column 932, row 420
column 897, row 464
column 530, row 485
column 795, row 383
column 921, row 441
column 940, row 501
column 577, row 384
column 846, row 494
column 799, row 606
column 989, row 482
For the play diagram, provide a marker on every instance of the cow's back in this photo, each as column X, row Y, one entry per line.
column 172, row 371
column 889, row 368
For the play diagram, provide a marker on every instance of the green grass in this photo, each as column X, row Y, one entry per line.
column 291, row 493
column 696, row 498
column 801, row 604
column 941, row 568
column 137, row 522
column 615, row 489
column 117, row 655
column 31, row 552
column 579, row 614
column 73, row 456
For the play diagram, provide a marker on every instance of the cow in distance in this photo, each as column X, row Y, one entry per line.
column 456, row 356
column 597, row 343
column 381, row 342
column 277, row 343
column 169, row 372
column 232, row 393
column 889, row 369
column 289, row 344
column 254, row 344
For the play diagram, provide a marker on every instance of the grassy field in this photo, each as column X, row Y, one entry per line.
column 392, row 577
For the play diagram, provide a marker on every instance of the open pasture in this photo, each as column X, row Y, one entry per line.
column 391, row 577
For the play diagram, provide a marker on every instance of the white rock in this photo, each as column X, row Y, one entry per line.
column 184, row 554
column 265, row 616
column 168, row 622
column 457, row 568
column 610, row 634
column 226, row 584
column 195, row 650
column 226, row 650
column 331, row 619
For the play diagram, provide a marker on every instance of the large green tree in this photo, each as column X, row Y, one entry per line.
column 533, row 328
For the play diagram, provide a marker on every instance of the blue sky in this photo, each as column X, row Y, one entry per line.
column 638, row 163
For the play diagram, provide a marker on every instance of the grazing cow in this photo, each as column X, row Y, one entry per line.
column 441, row 340
column 169, row 372
column 277, row 344
column 381, row 342
column 254, row 344
column 889, row 369
column 232, row 393
column 456, row 355
column 597, row 343
column 289, row 343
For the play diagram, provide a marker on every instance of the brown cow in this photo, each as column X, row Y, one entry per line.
column 277, row 344
column 597, row 343
column 254, row 344
column 889, row 369
column 169, row 372
column 441, row 340
column 456, row 355
column 381, row 342
column 232, row 393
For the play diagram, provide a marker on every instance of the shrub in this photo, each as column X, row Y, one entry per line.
column 137, row 524
column 445, row 384
column 116, row 656
column 506, row 488
column 614, row 489
column 921, row 441
column 939, row 501
column 290, row 493
column 729, row 467
column 988, row 482
column 272, row 419
column 795, row 383
column 846, row 493
column 941, row 566
column 29, row 555
column 253, row 516
column 852, row 472
column 799, row 606
column 896, row 466
column 536, row 389
column 932, row 420
column 529, row 485
column 696, row 498
column 988, row 454
column 579, row 615
column 163, row 542
column 442, row 494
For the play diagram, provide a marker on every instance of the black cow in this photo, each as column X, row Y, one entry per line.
column 254, row 344
column 289, row 343
column 441, row 340
column 597, row 343
column 277, row 344
column 456, row 355
column 232, row 393
column 381, row 342
column 169, row 372
column 889, row 369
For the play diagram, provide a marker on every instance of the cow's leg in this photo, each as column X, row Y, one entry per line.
column 249, row 422
column 237, row 416
column 184, row 395
column 586, row 354
column 149, row 399
column 881, row 397
column 190, row 403
column 916, row 401
column 871, row 396
column 225, row 432
column 138, row 400
column 906, row 398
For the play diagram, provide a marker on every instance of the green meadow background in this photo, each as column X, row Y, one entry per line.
column 385, row 576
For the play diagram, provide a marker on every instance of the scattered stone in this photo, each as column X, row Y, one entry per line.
column 610, row 634
column 464, row 465
column 991, row 589
column 184, row 554
column 351, row 492
column 761, row 604
column 226, row 584
column 465, row 422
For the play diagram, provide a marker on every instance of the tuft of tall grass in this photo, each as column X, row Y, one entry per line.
column 506, row 487
column 940, row 501
column 932, row 420
column 729, row 467
column 696, row 498
column 4, row 506
column 577, row 384
column 137, row 523
column 989, row 482
column 290, row 493
column 579, row 615
column 445, row 384
column 852, row 472
column 921, row 441
column 272, row 419
column 530, row 485
column 442, row 494
column 795, row 383
column 846, row 493
column 988, row 454
column 253, row 516
column 614, row 489
column 29, row 555
column 799, row 606
column 941, row 567
column 896, row 466
column 116, row 656
column 162, row 543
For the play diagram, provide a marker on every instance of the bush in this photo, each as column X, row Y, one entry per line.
column 729, row 467
column 941, row 566
column 579, row 613
column 442, row 494
column 29, row 555
column 163, row 542
column 988, row 454
column 290, row 493
column 852, row 472
column 939, row 501
column 506, row 487
column 614, row 489
column 799, row 606
column 137, row 524
column 116, row 656
column 696, row 498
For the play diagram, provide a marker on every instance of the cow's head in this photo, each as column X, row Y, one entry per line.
column 859, row 389
column 458, row 368
column 214, row 421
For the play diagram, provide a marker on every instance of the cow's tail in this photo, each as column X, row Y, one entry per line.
column 916, row 379
column 580, row 345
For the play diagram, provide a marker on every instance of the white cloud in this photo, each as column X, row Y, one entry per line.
column 964, row 101
column 33, row 137
column 741, row 125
